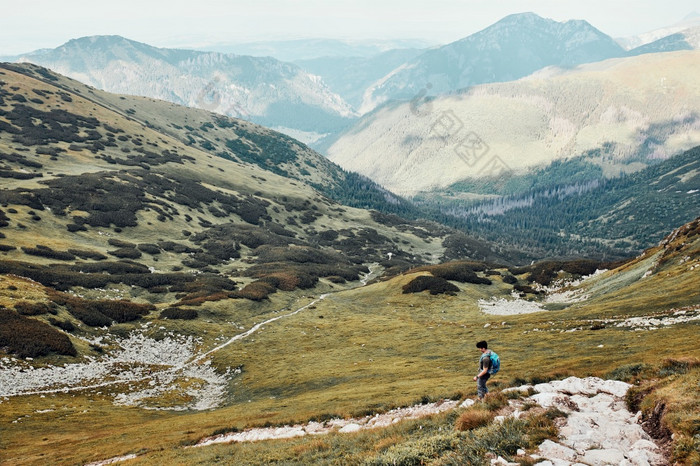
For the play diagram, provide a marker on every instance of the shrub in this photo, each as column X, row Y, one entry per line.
column 336, row 279
column 510, row 279
column 678, row 366
column 495, row 400
column 28, row 337
column 256, row 291
column 627, row 372
column 27, row 308
column 62, row 324
column 44, row 251
column 179, row 313
column 435, row 285
column 151, row 249
column 126, row 253
column 120, row 244
column 101, row 313
column 526, row 289
column 74, row 227
column 87, row 254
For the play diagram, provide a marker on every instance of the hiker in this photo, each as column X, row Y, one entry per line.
column 485, row 369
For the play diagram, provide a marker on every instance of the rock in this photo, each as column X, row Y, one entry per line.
column 315, row 428
column 586, row 386
column 638, row 417
column 604, row 457
column 467, row 403
column 352, row 427
column 522, row 388
column 503, row 462
column 553, row 450
column 644, row 453
column 644, row 444
column 551, row 400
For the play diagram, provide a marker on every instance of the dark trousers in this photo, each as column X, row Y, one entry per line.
column 481, row 385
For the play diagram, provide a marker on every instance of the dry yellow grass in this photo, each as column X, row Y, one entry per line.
column 473, row 418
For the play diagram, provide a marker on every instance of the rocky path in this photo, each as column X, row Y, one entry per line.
column 599, row 430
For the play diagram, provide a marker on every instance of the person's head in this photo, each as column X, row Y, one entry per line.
column 482, row 345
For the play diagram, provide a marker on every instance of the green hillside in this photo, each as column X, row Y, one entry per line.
column 589, row 215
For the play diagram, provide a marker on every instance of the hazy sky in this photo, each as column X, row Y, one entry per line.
column 31, row 24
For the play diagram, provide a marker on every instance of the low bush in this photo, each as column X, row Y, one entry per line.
column 117, row 243
column 256, row 291
column 87, row 254
column 179, row 313
column 526, row 289
column 101, row 313
column 28, row 337
column 673, row 366
column 45, row 251
column 126, row 253
column 627, row 372
column 65, row 325
column 435, row 285
column 459, row 271
column 27, row 308
column 148, row 248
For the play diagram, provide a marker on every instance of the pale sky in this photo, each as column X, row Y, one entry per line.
column 26, row 25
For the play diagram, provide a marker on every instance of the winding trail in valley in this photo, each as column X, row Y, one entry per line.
column 198, row 359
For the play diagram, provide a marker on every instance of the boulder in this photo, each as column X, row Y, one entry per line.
column 553, row 450
column 352, row 427
column 603, row 457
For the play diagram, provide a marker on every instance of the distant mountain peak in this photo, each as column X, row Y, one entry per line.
column 692, row 15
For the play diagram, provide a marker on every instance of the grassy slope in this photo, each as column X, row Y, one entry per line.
column 376, row 348
column 631, row 106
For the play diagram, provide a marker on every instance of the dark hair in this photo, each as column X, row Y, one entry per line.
column 482, row 344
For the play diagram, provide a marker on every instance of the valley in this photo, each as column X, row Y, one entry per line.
column 182, row 283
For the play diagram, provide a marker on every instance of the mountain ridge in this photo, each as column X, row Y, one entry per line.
column 532, row 42
column 262, row 89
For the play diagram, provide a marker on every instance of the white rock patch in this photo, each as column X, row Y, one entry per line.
column 333, row 425
column 143, row 368
column 599, row 430
column 508, row 307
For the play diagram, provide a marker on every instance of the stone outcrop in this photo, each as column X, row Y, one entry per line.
column 598, row 430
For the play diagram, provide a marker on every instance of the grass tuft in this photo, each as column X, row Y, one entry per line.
column 472, row 419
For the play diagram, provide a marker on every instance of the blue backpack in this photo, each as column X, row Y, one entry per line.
column 495, row 363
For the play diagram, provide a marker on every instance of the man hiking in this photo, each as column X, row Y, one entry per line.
column 486, row 368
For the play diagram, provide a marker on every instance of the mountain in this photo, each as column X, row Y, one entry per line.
column 262, row 90
column 350, row 76
column 626, row 113
column 311, row 49
column 692, row 20
column 514, row 47
column 92, row 179
column 687, row 39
